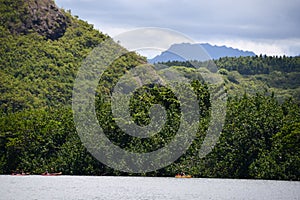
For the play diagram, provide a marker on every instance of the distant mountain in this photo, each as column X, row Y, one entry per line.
column 201, row 52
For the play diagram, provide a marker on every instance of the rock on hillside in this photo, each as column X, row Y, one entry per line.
column 41, row 16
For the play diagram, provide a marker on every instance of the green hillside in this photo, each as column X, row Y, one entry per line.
column 258, row 74
column 40, row 55
column 35, row 71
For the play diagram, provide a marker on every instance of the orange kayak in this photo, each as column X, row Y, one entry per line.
column 16, row 174
column 183, row 176
column 51, row 174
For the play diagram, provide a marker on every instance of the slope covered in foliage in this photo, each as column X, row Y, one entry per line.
column 37, row 72
column 257, row 74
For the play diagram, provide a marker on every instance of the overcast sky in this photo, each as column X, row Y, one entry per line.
column 269, row 27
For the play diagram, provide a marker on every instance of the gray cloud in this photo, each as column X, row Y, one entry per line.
column 213, row 19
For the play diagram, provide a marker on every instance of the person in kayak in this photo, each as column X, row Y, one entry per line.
column 46, row 172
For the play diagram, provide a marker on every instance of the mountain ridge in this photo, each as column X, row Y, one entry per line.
column 198, row 51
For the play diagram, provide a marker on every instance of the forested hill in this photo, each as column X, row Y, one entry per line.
column 252, row 74
column 41, row 50
column 40, row 57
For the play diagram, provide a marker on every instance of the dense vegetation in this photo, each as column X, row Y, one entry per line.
column 260, row 138
column 278, row 74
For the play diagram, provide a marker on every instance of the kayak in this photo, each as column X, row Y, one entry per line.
column 183, row 176
column 51, row 174
column 16, row 174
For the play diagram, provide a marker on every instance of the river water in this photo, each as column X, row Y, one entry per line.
column 142, row 188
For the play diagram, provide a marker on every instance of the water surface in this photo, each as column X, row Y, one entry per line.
column 142, row 188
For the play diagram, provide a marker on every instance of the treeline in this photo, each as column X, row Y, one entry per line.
column 260, row 64
column 247, row 65
column 260, row 139
column 279, row 74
